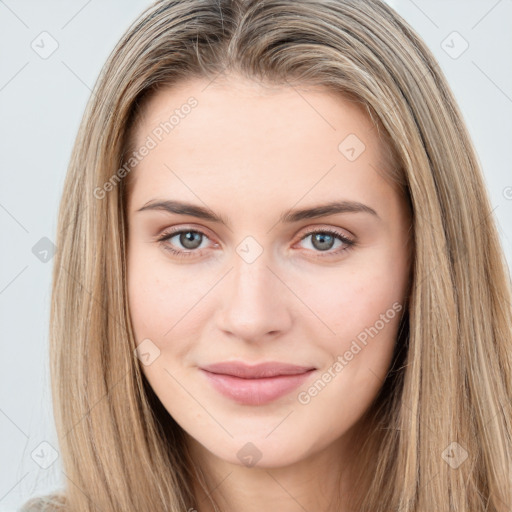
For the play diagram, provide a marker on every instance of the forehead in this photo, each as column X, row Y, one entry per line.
column 239, row 107
column 248, row 138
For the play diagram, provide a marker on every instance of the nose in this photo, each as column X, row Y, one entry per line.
column 254, row 301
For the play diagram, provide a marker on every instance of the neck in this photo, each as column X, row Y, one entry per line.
column 319, row 481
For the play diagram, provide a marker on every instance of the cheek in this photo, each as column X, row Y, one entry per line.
column 364, row 314
column 166, row 305
column 161, row 310
column 347, row 302
column 155, row 295
column 360, row 312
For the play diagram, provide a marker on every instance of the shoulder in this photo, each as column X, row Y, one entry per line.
column 49, row 503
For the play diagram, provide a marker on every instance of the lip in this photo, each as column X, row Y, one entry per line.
column 255, row 384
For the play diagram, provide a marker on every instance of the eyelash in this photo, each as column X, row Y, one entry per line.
column 350, row 243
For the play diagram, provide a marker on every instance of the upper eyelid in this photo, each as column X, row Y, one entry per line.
column 308, row 231
column 170, row 232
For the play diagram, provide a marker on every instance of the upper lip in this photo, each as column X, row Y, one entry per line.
column 246, row 371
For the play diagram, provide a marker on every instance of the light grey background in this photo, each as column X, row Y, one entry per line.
column 41, row 104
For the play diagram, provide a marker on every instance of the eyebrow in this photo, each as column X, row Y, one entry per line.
column 288, row 217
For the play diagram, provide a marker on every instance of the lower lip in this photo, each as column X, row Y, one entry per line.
column 255, row 391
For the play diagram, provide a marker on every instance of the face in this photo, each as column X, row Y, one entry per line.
column 262, row 230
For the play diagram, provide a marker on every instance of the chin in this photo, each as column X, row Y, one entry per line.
column 257, row 451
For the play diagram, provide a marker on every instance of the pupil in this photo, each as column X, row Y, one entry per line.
column 188, row 241
column 321, row 237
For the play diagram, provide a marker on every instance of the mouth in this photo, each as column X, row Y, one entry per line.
column 256, row 384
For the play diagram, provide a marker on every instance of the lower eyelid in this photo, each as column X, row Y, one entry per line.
column 165, row 237
column 346, row 242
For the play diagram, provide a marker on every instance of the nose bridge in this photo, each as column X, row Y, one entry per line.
column 252, row 281
column 255, row 301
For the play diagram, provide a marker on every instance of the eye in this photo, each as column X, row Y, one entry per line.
column 324, row 239
column 189, row 239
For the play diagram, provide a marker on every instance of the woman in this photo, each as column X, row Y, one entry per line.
column 340, row 337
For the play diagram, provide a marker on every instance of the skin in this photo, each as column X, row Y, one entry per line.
column 248, row 153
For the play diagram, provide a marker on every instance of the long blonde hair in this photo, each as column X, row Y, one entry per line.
column 448, row 392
